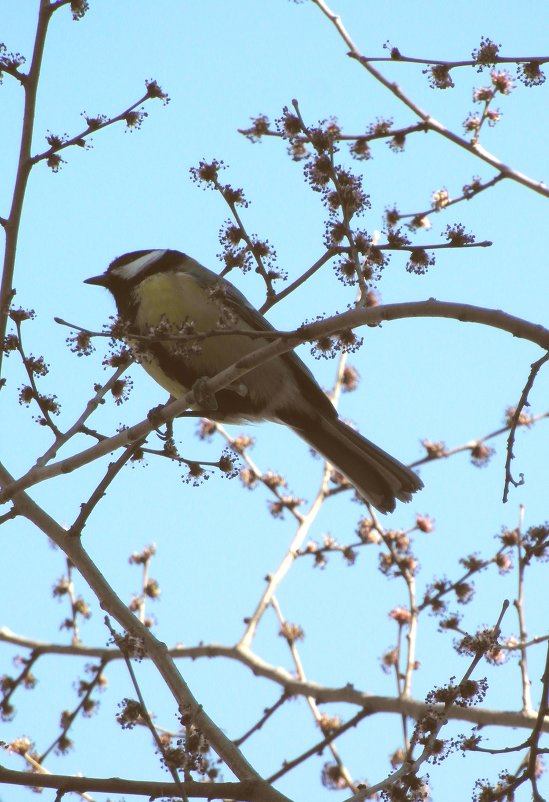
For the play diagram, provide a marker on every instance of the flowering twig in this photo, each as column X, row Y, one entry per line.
column 125, row 644
column 62, row 742
column 130, row 116
column 427, row 731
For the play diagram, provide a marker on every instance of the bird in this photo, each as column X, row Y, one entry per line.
column 165, row 292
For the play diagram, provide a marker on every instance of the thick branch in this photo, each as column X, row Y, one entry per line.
column 248, row 791
column 11, row 225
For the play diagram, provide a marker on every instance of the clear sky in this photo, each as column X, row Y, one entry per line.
column 223, row 63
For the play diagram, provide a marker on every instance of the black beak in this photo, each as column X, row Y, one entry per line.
column 100, row 281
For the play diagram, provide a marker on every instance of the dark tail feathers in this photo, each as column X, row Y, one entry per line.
column 378, row 477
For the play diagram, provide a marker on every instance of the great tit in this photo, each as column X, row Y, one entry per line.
column 164, row 290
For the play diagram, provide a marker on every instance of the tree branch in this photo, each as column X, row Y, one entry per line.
column 322, row 693
column 248, row 791
column 11, row 225
column 430, row 122
column 465, row 313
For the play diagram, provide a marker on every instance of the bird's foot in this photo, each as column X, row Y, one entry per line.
column 167, row 433
column 154, row 416
column 204, row 398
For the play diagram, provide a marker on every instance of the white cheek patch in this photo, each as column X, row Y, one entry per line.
column 130, row 270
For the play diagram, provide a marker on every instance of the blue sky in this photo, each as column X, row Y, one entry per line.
column 222, row 64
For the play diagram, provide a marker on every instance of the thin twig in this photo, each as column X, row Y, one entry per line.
column 317, row 715
column 78, row 425
column 267, row 714
column 535, row 736
column 320, row 746
column 455, row 64
column 534, row 370
column 519, row 605
column 87, row 507
column 466, row 196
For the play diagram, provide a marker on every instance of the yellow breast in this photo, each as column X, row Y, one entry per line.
column 177, row 298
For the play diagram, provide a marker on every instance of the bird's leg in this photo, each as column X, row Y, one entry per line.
column 240, row 389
